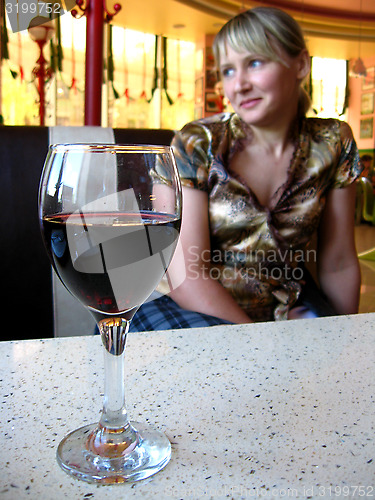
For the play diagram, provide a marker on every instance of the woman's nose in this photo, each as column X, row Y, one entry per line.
column 242, row 82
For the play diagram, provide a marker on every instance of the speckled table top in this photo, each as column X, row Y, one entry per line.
column 272, row 410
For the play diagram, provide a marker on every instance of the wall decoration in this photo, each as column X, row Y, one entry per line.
column 368, row 82
column 210, row 60
column 367, row 104
column 212, row 78
column 213, row 103
column 366, row 128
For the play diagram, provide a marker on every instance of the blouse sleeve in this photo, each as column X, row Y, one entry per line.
column 349, row 166
column 190, row 147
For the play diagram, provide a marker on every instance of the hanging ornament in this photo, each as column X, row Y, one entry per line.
column 179, row 94
column 52, row 57
column 56, row 51
column 165, row 71
column 321, row 96
column 73, row 84
column 144, row 74
column 22, row 74
column 59, row 48
column 4, row 51
column 156, row 72
column 164, row 74
column 110, row 63
column 346, row 97
column 358, row 68
column 126, row 73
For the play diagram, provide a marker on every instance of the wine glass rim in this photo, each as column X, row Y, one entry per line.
column 127, row 148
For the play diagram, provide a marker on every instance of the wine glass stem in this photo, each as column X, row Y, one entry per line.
column 114, row 435
column 113, row 333
column 114, row 414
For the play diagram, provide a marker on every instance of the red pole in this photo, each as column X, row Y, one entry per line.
column 94, row 62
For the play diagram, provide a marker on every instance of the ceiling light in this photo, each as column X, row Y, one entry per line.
column 358, row 68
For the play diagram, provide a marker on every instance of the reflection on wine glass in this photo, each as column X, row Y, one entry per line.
column 110, row 217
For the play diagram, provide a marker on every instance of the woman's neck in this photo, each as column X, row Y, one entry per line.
column 274, row 140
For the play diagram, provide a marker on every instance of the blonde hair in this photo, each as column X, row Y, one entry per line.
column 265, row 31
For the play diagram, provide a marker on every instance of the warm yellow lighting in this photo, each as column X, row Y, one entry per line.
column 329, row 87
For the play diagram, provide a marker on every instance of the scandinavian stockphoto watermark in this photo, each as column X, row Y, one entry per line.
column 273, row 264
column 23, row 12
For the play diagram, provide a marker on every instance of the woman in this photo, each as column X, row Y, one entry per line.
column 258, row 184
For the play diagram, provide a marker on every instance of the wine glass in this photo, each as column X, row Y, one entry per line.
column 110, row 218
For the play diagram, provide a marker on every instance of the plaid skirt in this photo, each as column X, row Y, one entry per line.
column 164, row 314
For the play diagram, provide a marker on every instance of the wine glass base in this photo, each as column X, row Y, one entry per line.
column 150, row 455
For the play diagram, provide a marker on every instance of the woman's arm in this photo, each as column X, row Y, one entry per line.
column 338, row 266
column 198, row 291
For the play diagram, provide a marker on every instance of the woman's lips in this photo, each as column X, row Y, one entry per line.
column 249, row 103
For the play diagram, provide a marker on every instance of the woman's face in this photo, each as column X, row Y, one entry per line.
column 261, row 91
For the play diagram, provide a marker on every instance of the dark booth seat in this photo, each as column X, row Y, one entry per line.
column 27, row 305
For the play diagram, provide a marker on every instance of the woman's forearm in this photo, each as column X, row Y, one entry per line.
column 342, row 288
column 208, row 296
column 338, row 267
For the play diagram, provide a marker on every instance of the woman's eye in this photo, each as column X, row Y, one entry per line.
column 255, row 63
column 227, row 72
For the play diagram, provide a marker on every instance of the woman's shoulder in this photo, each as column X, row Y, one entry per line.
column 329, row 129
column 203, row 136
column 334, row 145
column 195, row 145
column 221, row 120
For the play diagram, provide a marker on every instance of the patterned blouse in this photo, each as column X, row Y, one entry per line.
column 258, row 252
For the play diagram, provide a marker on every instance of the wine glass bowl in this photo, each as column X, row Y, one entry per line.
column 110, row 217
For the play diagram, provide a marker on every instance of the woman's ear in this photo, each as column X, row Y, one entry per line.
column 304, row 64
